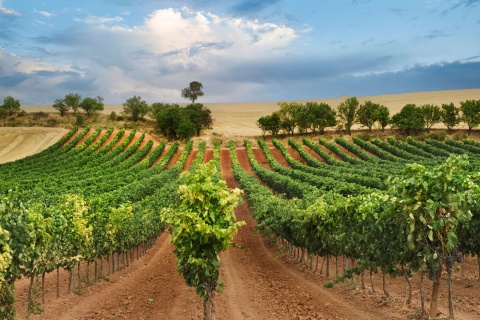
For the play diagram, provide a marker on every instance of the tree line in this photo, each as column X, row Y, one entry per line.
column 317, row 116
column 172, row 120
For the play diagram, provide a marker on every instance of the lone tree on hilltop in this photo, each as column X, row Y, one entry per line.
column 11, row 104
column 193, row 91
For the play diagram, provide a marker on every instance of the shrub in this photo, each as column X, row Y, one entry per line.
column 80, row 119
column 113, row 116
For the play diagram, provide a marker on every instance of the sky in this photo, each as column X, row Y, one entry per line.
column 240, row 50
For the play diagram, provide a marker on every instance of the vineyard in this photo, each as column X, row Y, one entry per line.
column 352, row 214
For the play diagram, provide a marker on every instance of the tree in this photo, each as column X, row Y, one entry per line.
column 11, row 105
column 167, row 116
column 382, row 114
column 59, row 104
column 431, row 115
column 470, row 113
column 270, row 124
column 136, row 107
column 185, row 128
column 409, row 119
column 347, row 112
column 321, row 115
column 193, row 91
column 73, row 100
column 366, row 114
column 92, row 105
column 3, row 114
column 303, row 119
column 288, row 116
column 201, row 117
column 450, row 115
column 202, row 226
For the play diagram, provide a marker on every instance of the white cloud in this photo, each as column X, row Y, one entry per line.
column 91, row 19
column 12, row 64
column 158, row 57
column 6, row 11
column 44, row 13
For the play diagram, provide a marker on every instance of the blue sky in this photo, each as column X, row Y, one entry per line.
column 241, row 50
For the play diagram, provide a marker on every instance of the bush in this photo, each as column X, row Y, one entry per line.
column 438, row 135
column 80, row 119
column 460, row 135
column 113, row 116
column 22, row 113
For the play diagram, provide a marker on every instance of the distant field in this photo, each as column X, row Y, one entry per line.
column 231, row 120
column 236, row 120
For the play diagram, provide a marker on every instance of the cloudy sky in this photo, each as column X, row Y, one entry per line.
column 241, row 50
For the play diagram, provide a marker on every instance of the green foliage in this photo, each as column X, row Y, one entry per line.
column 289, row 112
column 200, row 116
column 136, row 107
column 470, row 113
column 92, row 105
column 175, row 122
column 193, row 91
column 367, row 113
column 79, row 120
column 270, row 124
column 382, row 114
column 11, row 105
column 60, row 106
column 113, row 116
column 72, row 101
column 431, row 115
column 409, row 120
column 433, row 203
column 450, row 115
column 202, row 226
column 320, row 116
column 347, row 113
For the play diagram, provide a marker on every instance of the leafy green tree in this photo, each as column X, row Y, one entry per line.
column 185, row 128
column 136, row 107
column 382, row 114
column 470, row 113
column 73, row 100
column 92, row 105
column 366, row 114
column 431, row 115
column 193, row 91
column 11, row 104
column 200, row 116
column 409, row 119
column 303, row 119
column 450, row 115
column 3, row 114
column 321, row 115
column 288, row 116
column 60, row 106
column 167, row 116
column 347, row 113
column 270, row 124
column 202, row 226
